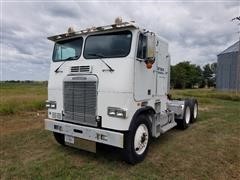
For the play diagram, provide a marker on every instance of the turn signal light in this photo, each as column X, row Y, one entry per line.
column 149, row 63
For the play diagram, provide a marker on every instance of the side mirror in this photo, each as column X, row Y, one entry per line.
column 151, row 50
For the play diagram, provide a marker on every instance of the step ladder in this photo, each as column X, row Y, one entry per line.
column 167, row 127
column 158, row 128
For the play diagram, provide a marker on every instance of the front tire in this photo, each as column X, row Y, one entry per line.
column 59, row 138
column 137, row 140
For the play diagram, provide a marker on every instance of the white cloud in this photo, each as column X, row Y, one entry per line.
column 196, row 31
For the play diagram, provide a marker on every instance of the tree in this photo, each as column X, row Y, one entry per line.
column 178, row 75
column 186, row 75
column 209, row 74
column 200, row 78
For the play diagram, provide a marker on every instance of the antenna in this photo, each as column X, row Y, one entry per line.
column 237, row 19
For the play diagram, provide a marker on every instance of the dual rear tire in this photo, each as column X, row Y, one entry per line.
column 190, row 113
column 194, row 110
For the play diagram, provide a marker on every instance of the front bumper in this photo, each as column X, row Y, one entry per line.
column 92, row 134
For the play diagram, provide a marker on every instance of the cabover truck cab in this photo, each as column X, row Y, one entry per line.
column 110, row 85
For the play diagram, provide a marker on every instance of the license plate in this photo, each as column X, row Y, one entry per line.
column 69, row 139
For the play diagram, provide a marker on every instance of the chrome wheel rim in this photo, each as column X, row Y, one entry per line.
column 141, row 139
column 195, row 111
column 187, row 115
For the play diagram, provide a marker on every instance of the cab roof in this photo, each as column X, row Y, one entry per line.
column 71, row 34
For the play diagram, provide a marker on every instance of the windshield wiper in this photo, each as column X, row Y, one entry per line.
column 65, row 60
column 100, row 56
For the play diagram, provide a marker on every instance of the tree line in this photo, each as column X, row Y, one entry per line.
column 23, row 82
column 187, row 75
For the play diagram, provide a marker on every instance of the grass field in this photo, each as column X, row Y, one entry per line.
column 209, row 149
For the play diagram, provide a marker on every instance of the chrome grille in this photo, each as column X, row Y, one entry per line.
column 80, row 102
column 76, row 69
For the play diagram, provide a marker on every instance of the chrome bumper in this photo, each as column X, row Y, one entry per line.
column 93, row 134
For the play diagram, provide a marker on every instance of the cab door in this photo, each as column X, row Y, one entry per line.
column 144, row 78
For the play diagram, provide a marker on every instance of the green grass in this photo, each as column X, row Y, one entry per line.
column 16, row 98
column 207, row 93
column 208, row 149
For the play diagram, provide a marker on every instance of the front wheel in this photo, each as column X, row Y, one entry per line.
column 59, row 138
column 137, row 140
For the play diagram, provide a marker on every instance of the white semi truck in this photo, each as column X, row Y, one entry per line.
column 110, row 85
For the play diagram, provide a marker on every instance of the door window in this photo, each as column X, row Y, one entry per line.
column 142, row 47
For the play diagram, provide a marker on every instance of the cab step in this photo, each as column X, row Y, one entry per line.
column 167, row 127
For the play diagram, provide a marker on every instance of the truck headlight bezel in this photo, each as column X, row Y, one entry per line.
column 51, row 104
column 116, row 112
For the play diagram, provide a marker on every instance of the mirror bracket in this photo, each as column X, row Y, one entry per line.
column 140, row 60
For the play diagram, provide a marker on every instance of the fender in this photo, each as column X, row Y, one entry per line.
column 142, row 110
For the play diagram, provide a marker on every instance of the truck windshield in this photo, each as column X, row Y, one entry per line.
column 68, row 49
column 109, row 45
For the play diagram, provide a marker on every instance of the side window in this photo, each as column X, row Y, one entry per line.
column 142, row 47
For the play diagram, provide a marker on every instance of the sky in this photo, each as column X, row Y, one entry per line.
column 196, row 30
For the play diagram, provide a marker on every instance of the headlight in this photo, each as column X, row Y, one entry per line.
column 51, row 104
column 116, row 112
